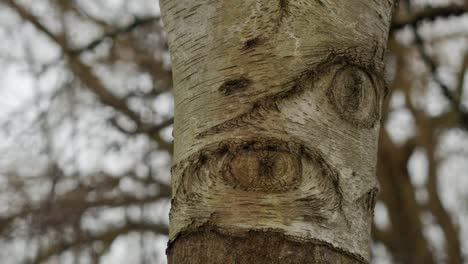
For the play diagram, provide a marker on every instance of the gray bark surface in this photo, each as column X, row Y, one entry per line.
column 277, row 109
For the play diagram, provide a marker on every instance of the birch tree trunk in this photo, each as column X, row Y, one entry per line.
column 276, row 128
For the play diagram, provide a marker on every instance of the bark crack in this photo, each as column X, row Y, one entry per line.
column 284, row 10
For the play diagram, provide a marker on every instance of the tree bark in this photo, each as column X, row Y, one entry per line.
column 277, row 109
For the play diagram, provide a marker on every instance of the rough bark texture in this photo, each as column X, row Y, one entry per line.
column 276, row 127
column 212, row 247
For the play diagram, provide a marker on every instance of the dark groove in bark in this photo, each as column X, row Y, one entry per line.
column 283, row 13
column 252, row 43
column 235, row 85
column 321, row 2
column 209, row 245
column 297, row 86
column 368, row 200
column 284, row 8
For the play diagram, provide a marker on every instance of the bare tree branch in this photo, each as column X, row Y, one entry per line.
column 462, row 112
column 429, row 14
column 434, row 204
column 92, row 82
column 107, row 236
column 114, row 33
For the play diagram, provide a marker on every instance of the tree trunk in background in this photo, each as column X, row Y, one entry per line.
column 276, row 128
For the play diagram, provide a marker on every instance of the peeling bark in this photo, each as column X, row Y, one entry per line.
column 276, row 128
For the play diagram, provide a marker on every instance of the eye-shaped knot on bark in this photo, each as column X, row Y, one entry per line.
column 355, row 96
column 262, row 170
column 265, row 167
column 285, row 180
column 352, row 94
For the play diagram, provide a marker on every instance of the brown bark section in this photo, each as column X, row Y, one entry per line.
column 209, row 246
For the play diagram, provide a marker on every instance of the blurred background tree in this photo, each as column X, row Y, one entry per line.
column 86, row 122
